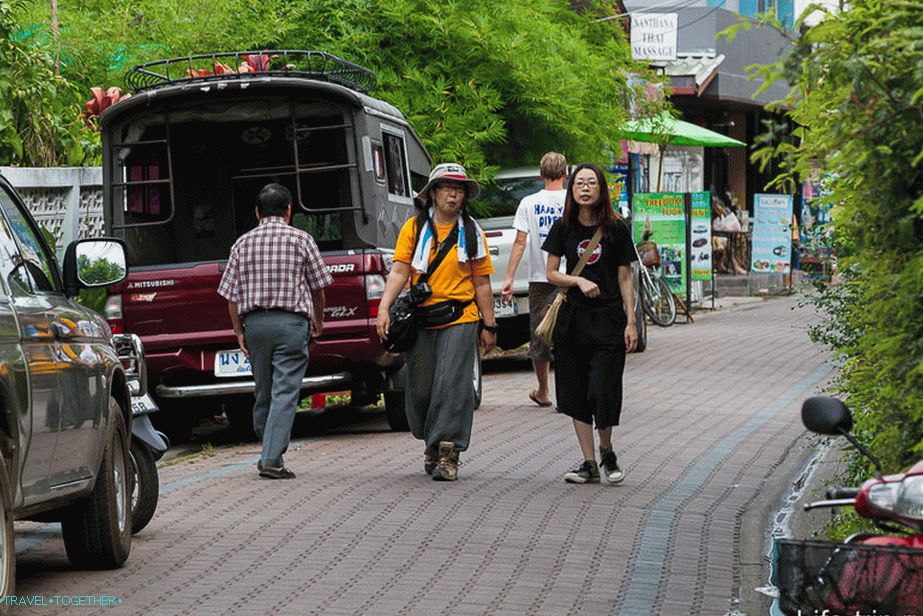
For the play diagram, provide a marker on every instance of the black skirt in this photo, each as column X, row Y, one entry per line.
column 589, row 355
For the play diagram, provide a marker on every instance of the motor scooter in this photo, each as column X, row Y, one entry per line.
column 147, row 444
column 867, row 574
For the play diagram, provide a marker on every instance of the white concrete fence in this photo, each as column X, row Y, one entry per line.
column 68, row 201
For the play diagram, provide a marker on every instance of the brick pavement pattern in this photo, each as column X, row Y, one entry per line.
column 362, row 530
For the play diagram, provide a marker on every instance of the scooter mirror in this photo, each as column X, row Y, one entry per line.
column 826, row 415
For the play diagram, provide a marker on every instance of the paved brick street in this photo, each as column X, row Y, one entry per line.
column 711, row 414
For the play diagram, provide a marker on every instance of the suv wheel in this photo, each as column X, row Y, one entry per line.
column 97, row 529
column 396, row 410
column 7, row 536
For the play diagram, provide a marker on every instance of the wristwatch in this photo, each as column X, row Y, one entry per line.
column 490, row 328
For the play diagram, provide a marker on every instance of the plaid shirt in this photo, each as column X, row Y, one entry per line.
column 274, row 266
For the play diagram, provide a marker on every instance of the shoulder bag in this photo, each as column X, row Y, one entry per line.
column 545, row 329
column 406, row 318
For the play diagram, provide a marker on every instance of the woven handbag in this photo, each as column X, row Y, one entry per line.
column 545, row 328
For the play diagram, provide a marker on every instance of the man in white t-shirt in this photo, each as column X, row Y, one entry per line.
column 534, row 217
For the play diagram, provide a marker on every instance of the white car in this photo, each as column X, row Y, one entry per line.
column 502, row 198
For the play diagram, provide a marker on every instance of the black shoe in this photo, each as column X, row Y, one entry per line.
column 277, row 473
column 610, row 464
column 586, row 472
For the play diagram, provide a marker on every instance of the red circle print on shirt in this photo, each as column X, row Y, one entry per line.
column 597, row 252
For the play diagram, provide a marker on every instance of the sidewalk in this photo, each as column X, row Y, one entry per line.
column 709, row 427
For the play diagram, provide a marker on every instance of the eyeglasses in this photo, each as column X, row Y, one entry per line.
column 582, row 184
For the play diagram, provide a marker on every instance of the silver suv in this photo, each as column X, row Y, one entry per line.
column 65, row 416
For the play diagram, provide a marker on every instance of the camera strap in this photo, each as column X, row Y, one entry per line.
column 444, row 249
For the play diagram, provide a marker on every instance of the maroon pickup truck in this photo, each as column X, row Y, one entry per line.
column 184, row 158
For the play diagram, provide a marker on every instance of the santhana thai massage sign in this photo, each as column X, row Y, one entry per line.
column 665, row 213
column 700, row 219
column 772, row 233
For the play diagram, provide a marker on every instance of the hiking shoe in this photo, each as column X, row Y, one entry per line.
column 585, row 472
column 447, row 468
column 610, row 465
column 429, row 461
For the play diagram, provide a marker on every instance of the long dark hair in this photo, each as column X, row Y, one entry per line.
column 471, row 237
column 603, row 212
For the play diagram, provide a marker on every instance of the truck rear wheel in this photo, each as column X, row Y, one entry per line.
column 175, row 418
column 239, row 412
column 396, row 410
column 97, row 529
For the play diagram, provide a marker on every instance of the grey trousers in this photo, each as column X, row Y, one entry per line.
column 278, row 344
column 440, row 385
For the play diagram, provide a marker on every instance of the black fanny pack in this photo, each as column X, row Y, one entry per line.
column 442, row 313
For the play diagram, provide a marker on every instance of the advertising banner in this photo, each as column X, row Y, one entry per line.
column 618, row 187
column 772, row 234
column 700, row 220
column 664, row 214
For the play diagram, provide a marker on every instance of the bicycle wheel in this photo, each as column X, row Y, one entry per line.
column 658, row 302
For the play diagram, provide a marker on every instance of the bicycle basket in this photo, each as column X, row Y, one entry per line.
column 813, row 576
column 650, row 256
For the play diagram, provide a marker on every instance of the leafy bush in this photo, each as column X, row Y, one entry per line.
column 39, row 120
column 858, row 101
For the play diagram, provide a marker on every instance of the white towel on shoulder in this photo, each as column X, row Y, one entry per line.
column 424, row 248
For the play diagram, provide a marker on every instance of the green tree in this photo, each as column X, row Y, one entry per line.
column 39, row 120
column 483, row 82
column 858, row 102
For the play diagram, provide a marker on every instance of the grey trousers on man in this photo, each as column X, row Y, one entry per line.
column 440, row 385
column 278, row 345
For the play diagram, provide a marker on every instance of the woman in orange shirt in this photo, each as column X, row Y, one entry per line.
column 440, row 395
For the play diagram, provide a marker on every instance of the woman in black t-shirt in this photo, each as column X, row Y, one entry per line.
column 596, row 326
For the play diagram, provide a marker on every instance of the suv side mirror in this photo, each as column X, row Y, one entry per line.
column 826, row 415
column 94, row 263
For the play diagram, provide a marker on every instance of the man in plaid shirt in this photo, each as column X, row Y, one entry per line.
column 274, row 284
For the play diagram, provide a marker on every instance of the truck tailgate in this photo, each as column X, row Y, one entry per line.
column 179, row 305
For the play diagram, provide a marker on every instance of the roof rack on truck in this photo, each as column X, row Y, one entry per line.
column 317, row 65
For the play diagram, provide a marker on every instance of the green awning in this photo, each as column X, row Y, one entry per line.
column 665, row 129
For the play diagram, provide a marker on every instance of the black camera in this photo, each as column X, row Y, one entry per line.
column 418, row 293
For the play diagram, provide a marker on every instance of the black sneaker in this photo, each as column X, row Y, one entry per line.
column 586, row 472
column 609, row 461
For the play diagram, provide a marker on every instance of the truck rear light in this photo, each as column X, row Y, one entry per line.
column 493, row 233
column 113, row 313
column 374, row 290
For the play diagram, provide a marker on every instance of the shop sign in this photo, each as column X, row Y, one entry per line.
column 665, row 213
column 700, row 233
column 772, row 234
column 653, row 36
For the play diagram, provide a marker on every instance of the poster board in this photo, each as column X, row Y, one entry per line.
column 666, row 214
column 772, row 234
column 700, row 232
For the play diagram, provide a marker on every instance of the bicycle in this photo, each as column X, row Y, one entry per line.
column 656, row 296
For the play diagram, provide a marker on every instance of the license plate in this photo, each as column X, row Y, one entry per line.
column 232, row 363
column 142, row 405
column 503, row 308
